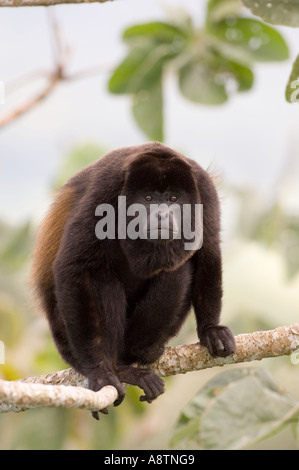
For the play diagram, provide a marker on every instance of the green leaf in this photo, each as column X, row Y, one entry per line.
column 198, row 83
column 187, row 429
column 242, row 75
column 292, row 89
column 284, row 12
column 218, row 10
column 126, row 77
column 209, row 82
column 261, row 42
column 148, row 110
column 141, row 75
column 234, row 410
column 161, row 32
column 244, row 413
column 140, row 68
column 186, row 434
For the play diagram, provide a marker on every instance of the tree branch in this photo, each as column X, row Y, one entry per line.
column 31, row 103
column 44, row 3
column 67, row 388
column 282, row 341
column 61, row 55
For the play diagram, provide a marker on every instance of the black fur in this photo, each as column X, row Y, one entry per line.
column 112, row 303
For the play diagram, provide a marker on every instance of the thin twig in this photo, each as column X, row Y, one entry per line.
column 57, row 42
column 17, row 83
column 61, row 55
column 44, row 3
column 31, row 103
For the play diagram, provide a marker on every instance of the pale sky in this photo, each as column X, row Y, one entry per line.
column 251, row 141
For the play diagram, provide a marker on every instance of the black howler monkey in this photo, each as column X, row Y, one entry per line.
column 114, row 302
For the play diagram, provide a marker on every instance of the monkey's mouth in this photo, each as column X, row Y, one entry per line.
column 161, row 234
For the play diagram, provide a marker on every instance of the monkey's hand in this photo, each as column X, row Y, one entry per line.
column 145, row 379
column 219, row 340
column 100, row 377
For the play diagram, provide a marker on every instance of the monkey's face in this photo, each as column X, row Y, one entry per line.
column 159, row 214
column 161, row 200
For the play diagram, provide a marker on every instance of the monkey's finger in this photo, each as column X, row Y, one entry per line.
column 121, row 395
column 119, row 400
column 149, row 395
column 228, row 342
column 145, row 398
column 95, row 415
column 155, row 388
column 112, row 380
column 219, row 340
column 152, row 386
column 215, row 347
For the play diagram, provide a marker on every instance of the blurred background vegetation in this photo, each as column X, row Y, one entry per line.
column 193, row 78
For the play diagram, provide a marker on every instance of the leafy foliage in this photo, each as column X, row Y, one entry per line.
column 292, row 92
column 211, row 62
column 270, row 226
column 275, row 11
column 280, row 13
column 234, row 410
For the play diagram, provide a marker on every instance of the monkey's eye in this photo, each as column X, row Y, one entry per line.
column 148, row 198
column 173, row 198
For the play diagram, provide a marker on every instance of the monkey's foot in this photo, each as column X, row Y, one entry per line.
column 219, row 340
column 145, row 379
column 99, row 378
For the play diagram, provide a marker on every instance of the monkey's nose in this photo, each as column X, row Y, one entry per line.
column 162, row 215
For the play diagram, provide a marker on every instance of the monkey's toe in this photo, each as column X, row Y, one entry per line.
column 152, row 386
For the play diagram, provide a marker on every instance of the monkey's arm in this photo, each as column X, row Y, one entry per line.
column 207, row 284
column 207, row 295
